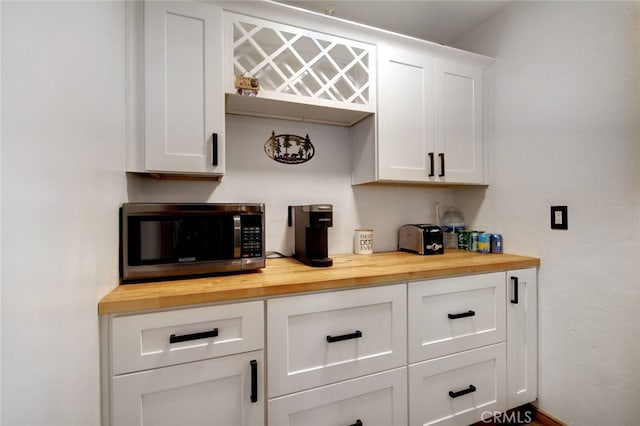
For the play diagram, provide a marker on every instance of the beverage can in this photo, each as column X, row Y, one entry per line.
column 496, row 243
column 463, row 240
column 473, row 241
column 484, row 243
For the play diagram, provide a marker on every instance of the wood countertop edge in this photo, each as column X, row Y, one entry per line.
column 132, row 298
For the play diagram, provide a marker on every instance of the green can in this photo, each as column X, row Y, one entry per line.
column 463, row 240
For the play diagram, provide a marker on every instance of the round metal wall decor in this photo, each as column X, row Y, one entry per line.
column 289, row 149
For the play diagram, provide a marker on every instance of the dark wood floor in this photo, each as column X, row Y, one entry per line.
column 525, row 415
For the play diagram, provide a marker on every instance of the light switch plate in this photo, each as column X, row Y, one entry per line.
column 559, row 217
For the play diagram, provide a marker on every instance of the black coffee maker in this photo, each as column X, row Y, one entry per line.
column 310, row 224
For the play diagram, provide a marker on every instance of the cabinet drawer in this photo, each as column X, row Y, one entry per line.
column 317, row 339
column 379, row 399
column 458, row 389
column 145, row 341
column 455, row 314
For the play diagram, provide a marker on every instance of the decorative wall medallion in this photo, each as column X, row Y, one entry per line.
column 289, row 149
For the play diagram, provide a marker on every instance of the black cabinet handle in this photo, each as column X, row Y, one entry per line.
column 441, row 155
column 254, row 380
column 357, row 423
column 470, row 389
column 214, row 149
column 194, row 336
column 353, row 335
column 431, row 165
column 515, row 290
column 462, row 315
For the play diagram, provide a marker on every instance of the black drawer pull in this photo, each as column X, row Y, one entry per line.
column 214, row 149
column 357, row 423
column 194, row 336
column 354, row 335
column 254, row 380
column 441, row 155
column 462, row 315
column 431, row 167
column 515, row 290
column 470, row 389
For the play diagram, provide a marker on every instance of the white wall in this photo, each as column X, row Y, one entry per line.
column 253, row 177
column 564, row 129
column 62, row 180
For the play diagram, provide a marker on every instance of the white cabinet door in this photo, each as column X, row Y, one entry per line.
column 405, row 115
column 317, row 339
column 184, row 96
column 448, row 315
column 522, row 336
column 217, row 391
column 459, row 123
column 374, row 400
column 458, row 389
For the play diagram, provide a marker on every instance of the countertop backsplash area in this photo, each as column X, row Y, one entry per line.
column 253, row 177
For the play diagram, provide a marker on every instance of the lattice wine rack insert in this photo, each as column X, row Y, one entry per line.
column 293, row 61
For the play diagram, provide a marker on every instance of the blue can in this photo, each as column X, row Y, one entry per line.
column 496, row 243
column 484, row 243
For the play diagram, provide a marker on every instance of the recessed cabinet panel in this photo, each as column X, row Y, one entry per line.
column 317, row 339
column 457, row 389
column 184, row 103
column 375, row 400
column 212, row 392
column 163, row 338
column 454, row 314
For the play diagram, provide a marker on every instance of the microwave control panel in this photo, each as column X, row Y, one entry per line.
column 251, row 236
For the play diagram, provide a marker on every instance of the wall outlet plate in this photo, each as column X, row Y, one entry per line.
column 559, row 217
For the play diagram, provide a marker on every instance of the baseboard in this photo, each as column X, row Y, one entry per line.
column 523, row 415
column 547, row 419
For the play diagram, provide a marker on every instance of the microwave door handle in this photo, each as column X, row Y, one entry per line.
column 237, row 236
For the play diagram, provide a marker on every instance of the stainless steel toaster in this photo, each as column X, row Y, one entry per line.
column 421, row 239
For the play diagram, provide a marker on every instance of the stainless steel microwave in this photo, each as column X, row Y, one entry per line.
column 160, row 241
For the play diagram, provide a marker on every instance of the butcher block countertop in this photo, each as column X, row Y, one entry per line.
column 287, row 276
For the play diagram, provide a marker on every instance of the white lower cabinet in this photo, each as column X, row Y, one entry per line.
column 219, row 391
column 193, row 366
column 447, row 351
column 457, row 389
column 374, row 400
column 472, row 346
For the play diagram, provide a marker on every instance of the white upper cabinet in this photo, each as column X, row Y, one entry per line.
column 178, row 88
column 429, row 125
column 303, row 74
